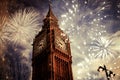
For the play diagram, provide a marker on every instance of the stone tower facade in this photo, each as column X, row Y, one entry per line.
column 51, row 52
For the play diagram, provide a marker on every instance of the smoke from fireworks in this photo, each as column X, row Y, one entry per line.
column 90, row 73
column 87, row 23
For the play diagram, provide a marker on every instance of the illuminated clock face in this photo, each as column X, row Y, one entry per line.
column 60, row 43
column 40, row 46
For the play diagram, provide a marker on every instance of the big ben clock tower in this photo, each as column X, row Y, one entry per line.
column 51, row 52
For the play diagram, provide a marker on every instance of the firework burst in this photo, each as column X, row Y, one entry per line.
column 23, row 26
column 102, row 47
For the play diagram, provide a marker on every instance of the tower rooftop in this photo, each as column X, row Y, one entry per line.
column 50, row 14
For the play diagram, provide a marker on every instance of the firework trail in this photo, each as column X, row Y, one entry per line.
column 3, row 19
column 3, row 34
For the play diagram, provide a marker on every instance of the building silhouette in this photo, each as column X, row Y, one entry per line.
column 51, row 52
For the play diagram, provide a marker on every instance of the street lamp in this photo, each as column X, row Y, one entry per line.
column 109, row 74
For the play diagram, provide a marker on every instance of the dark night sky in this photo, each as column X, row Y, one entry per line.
column 89, row 24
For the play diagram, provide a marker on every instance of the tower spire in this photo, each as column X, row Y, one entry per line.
column 50, row 4
column 50, row 14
